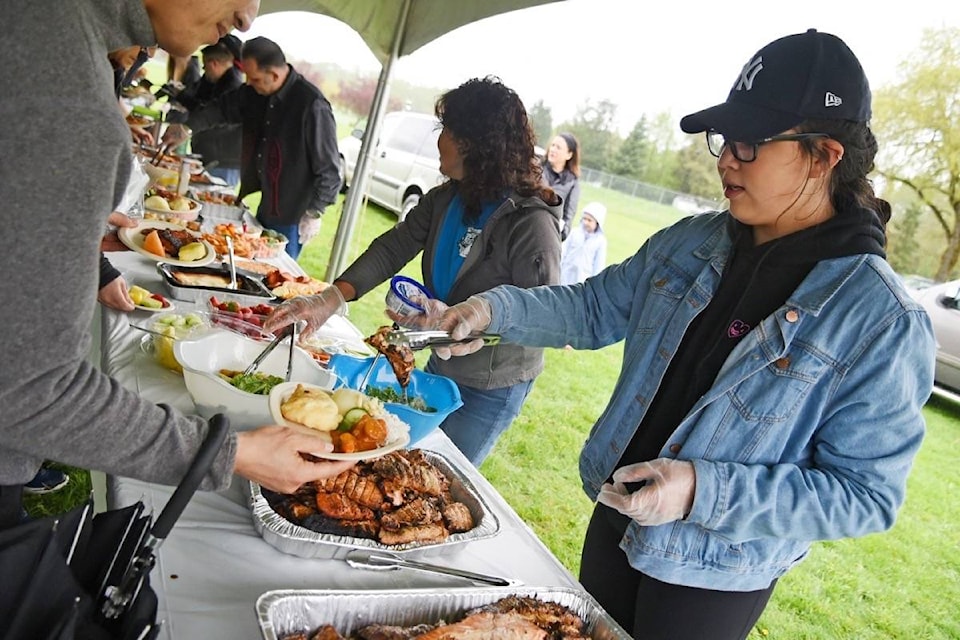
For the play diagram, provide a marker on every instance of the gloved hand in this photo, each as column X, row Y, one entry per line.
column 431, row 317
column 309, row 228
column 176, row 134
column 666, row 496
column 473, row 315
column 315, row 309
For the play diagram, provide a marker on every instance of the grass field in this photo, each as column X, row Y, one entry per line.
column 904, row 583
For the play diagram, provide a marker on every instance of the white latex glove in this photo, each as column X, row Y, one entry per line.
column 309, row 228
column 119, row 219
column 316, row 310
column 175, row 135
column 666, row 496
column 473, row 315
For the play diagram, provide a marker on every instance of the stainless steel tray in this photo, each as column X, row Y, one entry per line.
column 250, row 289
column 300, row 541
column 289, row 611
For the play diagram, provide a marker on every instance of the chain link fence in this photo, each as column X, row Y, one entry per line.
column 682, row 201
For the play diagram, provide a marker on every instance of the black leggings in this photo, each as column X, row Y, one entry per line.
column 652, row 610
column 11, row 502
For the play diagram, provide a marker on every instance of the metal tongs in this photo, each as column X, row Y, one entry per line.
column 158, row 156
column 289, row 330
column 231, row 263
column 417, row 340
column 381, row 560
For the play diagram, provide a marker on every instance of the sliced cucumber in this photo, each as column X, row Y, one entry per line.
column 352, row 417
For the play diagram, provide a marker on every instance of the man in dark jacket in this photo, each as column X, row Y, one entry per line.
column 220, row 145
column 290, row 149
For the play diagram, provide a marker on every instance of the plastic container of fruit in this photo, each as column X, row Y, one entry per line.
column 171, row 327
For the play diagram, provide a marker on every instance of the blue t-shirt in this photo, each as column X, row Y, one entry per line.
column 454, row 242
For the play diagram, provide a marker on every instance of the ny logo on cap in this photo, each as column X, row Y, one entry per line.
column 749, row 73
column 832, row 100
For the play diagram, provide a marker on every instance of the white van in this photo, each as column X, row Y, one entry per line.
column 405, row 163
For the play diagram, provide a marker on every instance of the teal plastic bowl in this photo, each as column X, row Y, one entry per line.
column 438, row 392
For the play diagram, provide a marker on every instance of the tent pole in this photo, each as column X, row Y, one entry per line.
column 351, row 206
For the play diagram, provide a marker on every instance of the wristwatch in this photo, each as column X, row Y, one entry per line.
column 313, row 213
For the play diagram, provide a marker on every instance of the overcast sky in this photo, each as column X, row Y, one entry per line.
column 645, row 57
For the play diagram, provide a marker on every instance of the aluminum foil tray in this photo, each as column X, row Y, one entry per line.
column 289, row 611
column 300, row 541
column 250, row 289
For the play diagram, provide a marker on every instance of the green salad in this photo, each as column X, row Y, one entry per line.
column 389, row 394
column 258, row 383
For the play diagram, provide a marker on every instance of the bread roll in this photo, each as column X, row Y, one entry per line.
column 312, row 408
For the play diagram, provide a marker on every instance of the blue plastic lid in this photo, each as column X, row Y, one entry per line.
column 407, row 289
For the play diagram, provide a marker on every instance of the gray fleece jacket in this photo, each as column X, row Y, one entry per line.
column 520, row 245
column 64, row 162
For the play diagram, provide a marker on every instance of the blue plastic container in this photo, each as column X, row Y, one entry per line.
column 438, row 392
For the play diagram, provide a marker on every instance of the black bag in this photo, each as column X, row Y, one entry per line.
column 77, row 576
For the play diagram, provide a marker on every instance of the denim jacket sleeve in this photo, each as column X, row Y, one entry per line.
column 588, row 315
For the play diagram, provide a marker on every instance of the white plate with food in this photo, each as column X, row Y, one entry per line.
column 135, row 238
column 145, row 300
column 358, row 426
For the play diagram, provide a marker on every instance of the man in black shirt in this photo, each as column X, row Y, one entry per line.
column 290, row 149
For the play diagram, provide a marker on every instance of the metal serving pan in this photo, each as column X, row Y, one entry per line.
column 299, row 541
column 289, row 611
column 250, row 288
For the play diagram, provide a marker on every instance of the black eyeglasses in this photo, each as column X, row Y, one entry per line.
column 747, row 151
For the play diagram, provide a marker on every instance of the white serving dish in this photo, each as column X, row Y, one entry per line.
column 180, row 214
column 202, row 357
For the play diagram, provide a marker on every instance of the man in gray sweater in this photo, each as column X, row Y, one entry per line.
column 64, row 162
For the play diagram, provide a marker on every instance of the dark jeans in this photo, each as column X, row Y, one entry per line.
column 649, row 609
column 484, row 416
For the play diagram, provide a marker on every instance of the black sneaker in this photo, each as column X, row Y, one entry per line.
column 46, row 481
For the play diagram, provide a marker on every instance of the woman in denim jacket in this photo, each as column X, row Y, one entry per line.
column 774, row 366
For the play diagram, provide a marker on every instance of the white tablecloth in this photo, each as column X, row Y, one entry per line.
column 214, row 565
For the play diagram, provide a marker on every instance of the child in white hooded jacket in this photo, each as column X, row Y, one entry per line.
column 585, row 251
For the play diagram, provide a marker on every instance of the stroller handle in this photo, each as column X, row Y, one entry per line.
column 216, row 434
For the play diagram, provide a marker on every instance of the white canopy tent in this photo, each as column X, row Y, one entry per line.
column 391, row 28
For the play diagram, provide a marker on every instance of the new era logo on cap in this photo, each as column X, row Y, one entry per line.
column 832, row 100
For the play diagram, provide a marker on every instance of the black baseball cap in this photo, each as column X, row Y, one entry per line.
column 810, row 75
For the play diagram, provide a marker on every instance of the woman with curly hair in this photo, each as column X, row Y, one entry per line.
column 492, row 222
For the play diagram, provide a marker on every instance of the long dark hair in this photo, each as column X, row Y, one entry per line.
column 493, row 134
column 849, row 184
column 573, row 164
